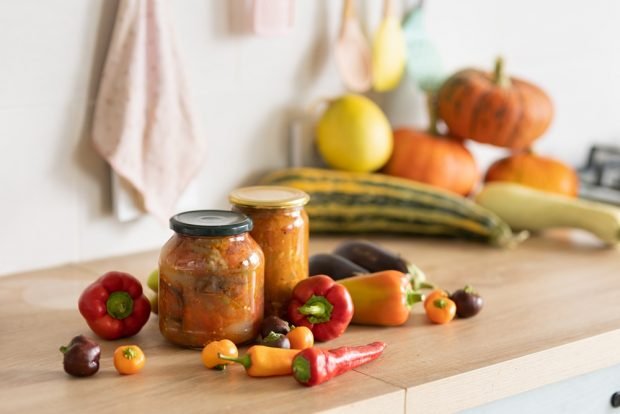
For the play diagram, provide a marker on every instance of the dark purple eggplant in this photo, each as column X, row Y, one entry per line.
column 334, row 266
column 371, row 256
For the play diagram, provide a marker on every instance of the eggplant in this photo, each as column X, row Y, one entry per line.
column 334, row 266
column 375, row 258
column 371, row 256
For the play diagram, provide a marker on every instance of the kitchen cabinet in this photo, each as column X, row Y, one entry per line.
column 551, row 322
column 585, row 394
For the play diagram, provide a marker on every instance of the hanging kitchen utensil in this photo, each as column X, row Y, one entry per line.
column 353, row 55
column 423, row 61
column 273, row 17
column 388, row 51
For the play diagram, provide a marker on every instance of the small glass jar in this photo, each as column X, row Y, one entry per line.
column 281, row 229
column 211, row 279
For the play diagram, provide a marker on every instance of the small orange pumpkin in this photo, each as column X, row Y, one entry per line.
column 433, row 159
column 535, row 171
column 493, row 108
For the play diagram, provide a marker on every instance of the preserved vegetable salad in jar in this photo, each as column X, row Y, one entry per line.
column 281, row 229
column 211, row 279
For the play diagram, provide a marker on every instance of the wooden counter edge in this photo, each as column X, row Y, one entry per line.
column 511, row 377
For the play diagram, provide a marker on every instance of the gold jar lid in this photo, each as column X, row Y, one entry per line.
column 268, row 196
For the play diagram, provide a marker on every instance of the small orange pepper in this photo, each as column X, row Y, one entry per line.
column 435, row 294
column 265, row 361
column 300, row 337
column 209, row 354
column 129, row 359
column 440, row 310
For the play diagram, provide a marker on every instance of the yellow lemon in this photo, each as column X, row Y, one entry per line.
column 353, row 134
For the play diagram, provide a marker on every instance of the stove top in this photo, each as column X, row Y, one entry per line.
column 600, row 178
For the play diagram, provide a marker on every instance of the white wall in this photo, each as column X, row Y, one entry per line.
column 56, row 204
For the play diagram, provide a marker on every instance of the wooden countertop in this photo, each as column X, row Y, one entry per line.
column 552, row 312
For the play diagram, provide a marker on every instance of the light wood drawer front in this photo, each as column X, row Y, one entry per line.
column 586, row 394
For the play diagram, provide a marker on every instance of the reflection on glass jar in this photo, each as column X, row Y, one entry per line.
column 211, row 279
column 281, row 229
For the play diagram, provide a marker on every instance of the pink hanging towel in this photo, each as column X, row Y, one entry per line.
column 143, row 125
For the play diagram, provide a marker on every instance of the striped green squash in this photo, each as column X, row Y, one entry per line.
column 347, row 202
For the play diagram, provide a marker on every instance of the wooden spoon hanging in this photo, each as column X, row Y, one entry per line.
column 353, row 55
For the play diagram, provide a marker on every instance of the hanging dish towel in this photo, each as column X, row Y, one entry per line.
column 273, row 17
column 143, row 125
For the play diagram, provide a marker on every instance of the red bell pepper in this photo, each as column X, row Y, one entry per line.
column 313, row 366
column 322, row 305
column 114, row 306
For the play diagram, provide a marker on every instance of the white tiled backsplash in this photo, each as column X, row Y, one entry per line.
column 56, row 204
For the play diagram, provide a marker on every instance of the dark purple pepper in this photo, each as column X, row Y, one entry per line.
column 81, row 356
column 468, row 302
column 274, row 324
column 276, row 340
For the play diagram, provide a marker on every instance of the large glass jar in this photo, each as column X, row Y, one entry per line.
column 281, row 229
column 211, row 279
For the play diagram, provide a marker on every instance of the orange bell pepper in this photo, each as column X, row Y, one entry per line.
column 383, row 298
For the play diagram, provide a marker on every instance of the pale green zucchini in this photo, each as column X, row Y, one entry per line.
column 530, row 209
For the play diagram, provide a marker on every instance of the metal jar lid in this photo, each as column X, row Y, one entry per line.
column 210, row 223
column 268, row 196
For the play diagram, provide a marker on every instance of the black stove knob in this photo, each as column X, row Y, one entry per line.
column 615, row 399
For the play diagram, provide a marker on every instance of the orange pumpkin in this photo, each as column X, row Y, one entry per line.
column 535, row 171
column 433, row 159
column 493, row 108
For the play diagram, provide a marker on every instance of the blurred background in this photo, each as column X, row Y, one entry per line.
column 246, row 89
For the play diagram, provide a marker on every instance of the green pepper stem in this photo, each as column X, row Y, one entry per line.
column 418, row 278
column 413, row 297
column 440, row 303
column 272, row 337
column 64, row 349
column 245, row 360
column 119, row 305
column 301, row 369
column 317, row 309
column 129, row 353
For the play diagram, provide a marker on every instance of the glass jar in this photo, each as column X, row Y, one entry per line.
column 281, row 229
column 211, row 279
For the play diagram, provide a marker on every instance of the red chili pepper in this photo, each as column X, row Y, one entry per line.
column 114, row 306
column 313, row 366
column 322, row 305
